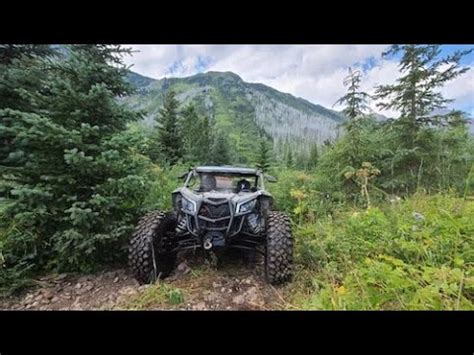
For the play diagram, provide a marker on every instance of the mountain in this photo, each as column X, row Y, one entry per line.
column 242, row 110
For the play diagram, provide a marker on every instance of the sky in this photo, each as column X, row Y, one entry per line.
column 312, row 72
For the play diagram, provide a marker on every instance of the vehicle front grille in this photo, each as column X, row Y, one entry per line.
column 214, row 216
column 216, row 225
column 212, row 211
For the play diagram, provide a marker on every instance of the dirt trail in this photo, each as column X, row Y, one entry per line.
column 194, row 285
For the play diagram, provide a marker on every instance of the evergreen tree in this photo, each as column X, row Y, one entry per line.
column 20, row 68
column 313, row 156
column 197, row 136
column 415, row 93
column 169, row 136
column 221, row 150
column 190, row 132
column 415, row 96
column 264, row 156
column 73, row 189
column 355, row 102
column 289, row 158
column 206, row 140
column 301, row 161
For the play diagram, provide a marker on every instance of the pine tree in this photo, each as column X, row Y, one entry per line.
column 73, row 189
column 14, row 62
column 197, row 136
column 289, row 158
column 355, row 101
column 355, row 109
column 313, row 156
column 206, row 140
column 415, row 94
column 190, row 125
column 221, row 150
column 264, row 156
column 169, row 135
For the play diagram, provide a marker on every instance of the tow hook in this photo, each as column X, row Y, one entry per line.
column 208, row 243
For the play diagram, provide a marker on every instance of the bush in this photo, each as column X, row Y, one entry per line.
column 72, row 178
column 416, row 254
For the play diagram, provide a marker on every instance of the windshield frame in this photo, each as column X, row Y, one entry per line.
column 258, row 182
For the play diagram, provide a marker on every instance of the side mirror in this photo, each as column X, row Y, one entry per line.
column 270, row 178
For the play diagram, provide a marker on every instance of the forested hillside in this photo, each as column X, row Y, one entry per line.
column 243, row 110
column 381, row 210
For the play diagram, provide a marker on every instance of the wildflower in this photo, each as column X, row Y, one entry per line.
column 341, row 290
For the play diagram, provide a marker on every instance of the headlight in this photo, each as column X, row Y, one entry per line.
column 247, row 207
column 188, row 206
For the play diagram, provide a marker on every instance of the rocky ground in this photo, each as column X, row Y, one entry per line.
column 195, row 285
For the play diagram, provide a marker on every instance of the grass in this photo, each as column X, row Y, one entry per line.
column 417, row 254
column 156, row 296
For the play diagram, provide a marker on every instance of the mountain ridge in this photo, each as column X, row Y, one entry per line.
column 244, row 111
column 143, row 80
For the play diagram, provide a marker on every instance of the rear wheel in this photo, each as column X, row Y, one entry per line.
column 279, row 249
column 150, row 252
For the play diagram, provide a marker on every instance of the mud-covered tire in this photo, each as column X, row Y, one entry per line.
column 150, row 245
column 279, row 249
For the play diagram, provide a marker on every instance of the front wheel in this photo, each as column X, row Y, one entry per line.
column 150, row 256
column 279, row 249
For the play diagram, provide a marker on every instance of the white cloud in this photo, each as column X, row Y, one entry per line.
column 462, row 90
column 313, row 72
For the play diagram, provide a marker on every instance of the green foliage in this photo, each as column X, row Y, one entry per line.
column 168, row 132
column 313, row 156
column 415, row 94
column 197, row 136
column 304, row 196
column 77, row 169
column 157, row 295
column 415, row 254
column 73, row 181
column 264, row 156
column 445, row 156
column 164, row 181
column 355, row 100
column 221, row 154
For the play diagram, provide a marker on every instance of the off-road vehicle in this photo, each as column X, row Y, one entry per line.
column 218, row 207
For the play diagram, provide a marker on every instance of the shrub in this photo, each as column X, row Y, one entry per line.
column 416, row 254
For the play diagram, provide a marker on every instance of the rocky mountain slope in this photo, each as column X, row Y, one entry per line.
column 242, row 109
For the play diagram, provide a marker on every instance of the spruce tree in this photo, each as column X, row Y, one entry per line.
column 264, row 156
column 221, row 150
column 197, row 136
column 415, row 93
column 313, row 156
column 73, row 191
column 206, row 139
column 355, row 102
column 289, row 158
column 169, row 135
column 190, row 132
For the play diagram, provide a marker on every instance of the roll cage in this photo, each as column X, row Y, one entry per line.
column 248, row 173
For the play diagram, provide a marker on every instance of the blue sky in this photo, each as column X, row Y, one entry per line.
column 313, row 72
